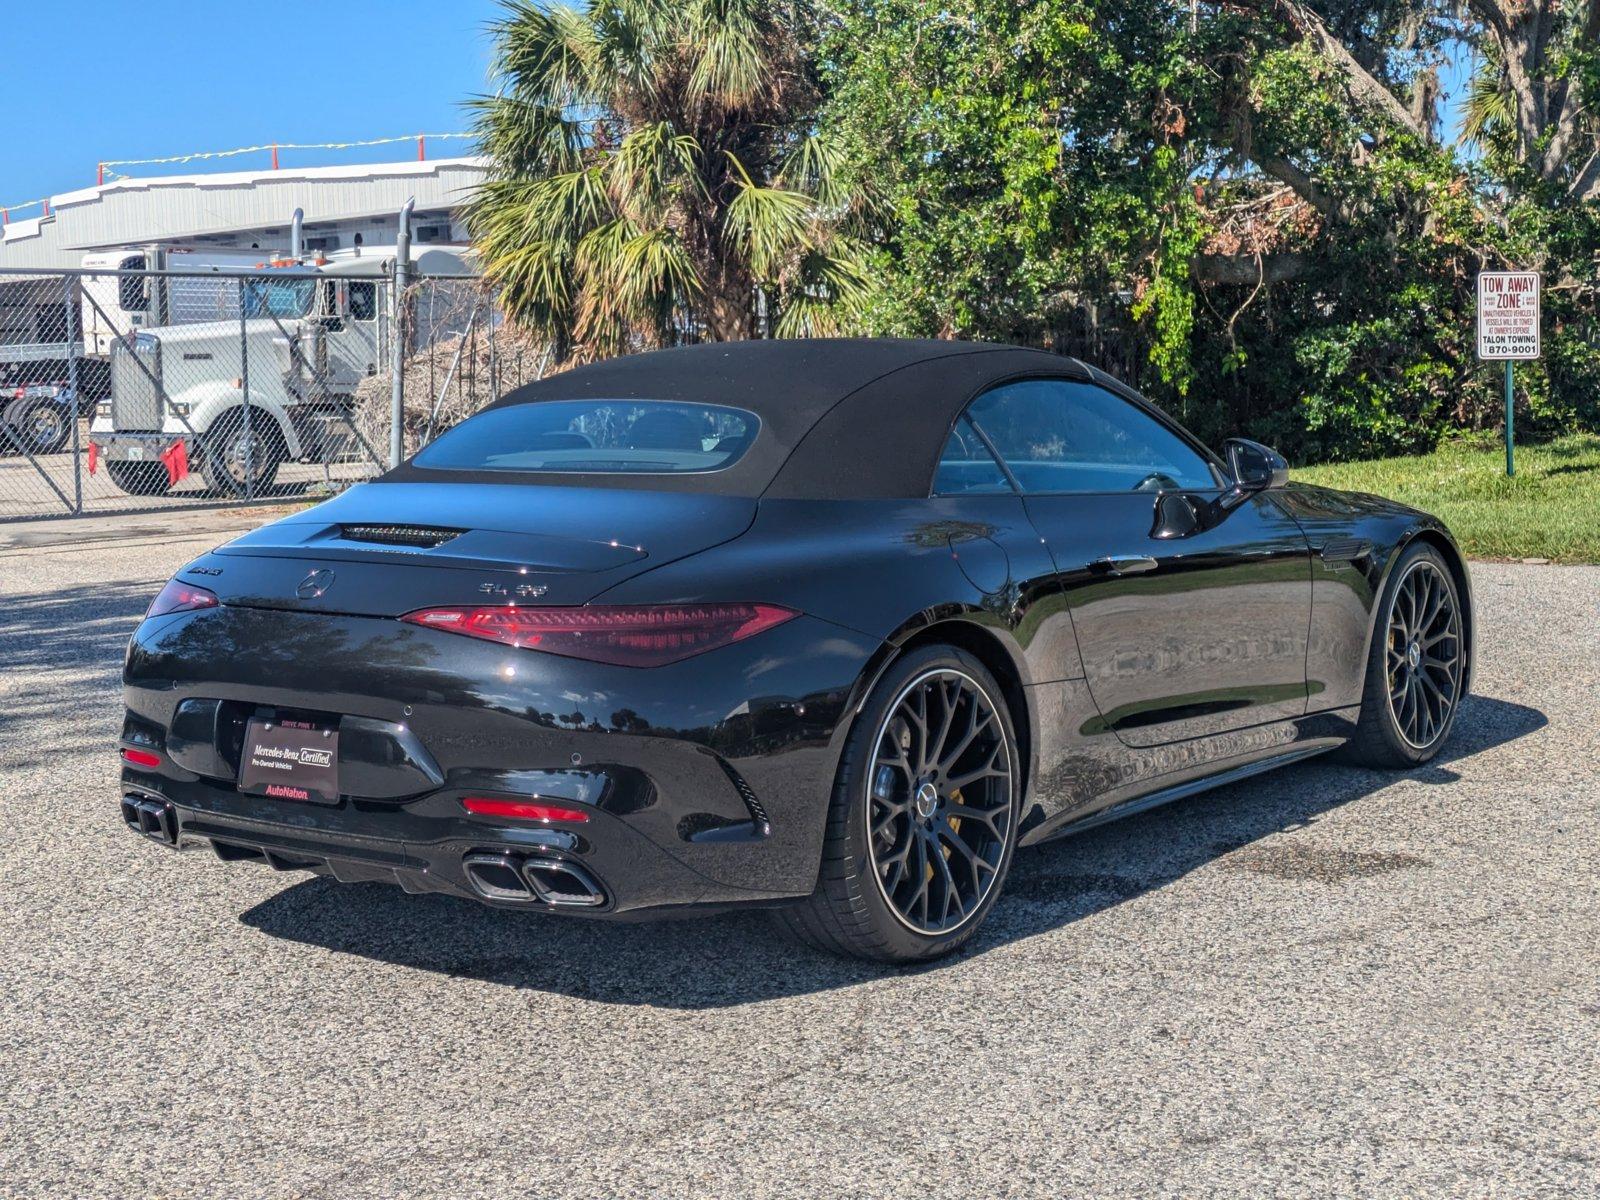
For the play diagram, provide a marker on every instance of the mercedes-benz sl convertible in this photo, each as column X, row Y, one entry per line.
column 831, row 627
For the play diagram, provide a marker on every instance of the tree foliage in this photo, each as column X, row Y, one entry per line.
column 1250, row 207
column 658, row 174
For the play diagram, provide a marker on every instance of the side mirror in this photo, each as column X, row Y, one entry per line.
column 1254, row 467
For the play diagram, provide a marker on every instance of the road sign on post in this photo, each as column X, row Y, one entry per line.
column 1508, row 330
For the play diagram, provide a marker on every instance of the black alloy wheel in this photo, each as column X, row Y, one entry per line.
column 923, row 821
column 939, row 806
column 1424, row 655
column 1417, row 666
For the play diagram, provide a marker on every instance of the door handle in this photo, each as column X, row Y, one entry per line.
column 1123, row 564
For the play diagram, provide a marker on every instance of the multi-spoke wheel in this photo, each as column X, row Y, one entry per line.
column 939, row 804
column 924, row 813
column 1418, row 664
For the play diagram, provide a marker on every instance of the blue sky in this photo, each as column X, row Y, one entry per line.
column 93, row 80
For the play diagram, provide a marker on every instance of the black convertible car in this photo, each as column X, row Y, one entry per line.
column 831, row 627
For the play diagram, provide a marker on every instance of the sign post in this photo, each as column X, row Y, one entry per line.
column 1508, row 331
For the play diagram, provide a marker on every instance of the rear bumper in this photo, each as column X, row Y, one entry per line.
column 705, row 783
column 602, row 868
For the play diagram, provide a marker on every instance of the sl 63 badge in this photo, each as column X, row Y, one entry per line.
column 523, row 591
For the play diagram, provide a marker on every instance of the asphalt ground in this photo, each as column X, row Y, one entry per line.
column 1321, row 982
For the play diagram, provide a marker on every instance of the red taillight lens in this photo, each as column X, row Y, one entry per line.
column 179, row 597
column 522, row 810
column 141, row 758
column 646, row 636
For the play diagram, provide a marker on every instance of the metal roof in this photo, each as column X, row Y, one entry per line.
column 129, row 212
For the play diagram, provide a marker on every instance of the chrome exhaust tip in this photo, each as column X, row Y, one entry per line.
column 154, row 819
column 563, row 884
column 496, row 877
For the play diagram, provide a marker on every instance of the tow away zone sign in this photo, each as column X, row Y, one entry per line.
column 1508, row 315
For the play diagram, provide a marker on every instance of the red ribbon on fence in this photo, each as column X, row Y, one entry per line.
column 94, row 456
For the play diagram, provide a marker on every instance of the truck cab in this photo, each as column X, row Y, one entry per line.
column 271, row 380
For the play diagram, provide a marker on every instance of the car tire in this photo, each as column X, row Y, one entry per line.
column 223, row 456
column 140, row 478
column 890, row 823
column 1416, row 665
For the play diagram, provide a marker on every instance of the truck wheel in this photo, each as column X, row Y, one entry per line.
column 241, row 460
column 44, row 428
column 139, row 478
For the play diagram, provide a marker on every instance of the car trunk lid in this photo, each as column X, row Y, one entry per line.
column 386, row 549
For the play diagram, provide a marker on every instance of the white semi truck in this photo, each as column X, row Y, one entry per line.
column 42, row 315
column 119, row 293
column 247, row 392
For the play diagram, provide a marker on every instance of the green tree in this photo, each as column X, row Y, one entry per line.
column 657, row 175
column 1248, row 209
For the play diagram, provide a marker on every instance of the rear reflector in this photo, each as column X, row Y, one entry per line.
column 141, row 758
column 643, row 636
column 178, row 596
column 522, row 810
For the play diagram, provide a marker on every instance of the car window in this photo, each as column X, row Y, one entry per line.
column 1059, row 435
column 966, row 466
column 591, row 437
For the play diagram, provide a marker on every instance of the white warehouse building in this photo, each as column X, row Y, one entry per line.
column 345, row 207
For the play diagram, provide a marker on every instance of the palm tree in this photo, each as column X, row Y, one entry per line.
column 657, row 175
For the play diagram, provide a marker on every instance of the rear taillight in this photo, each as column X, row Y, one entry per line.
column 178, row 596
column 522, row 810
column 645, row 636
column 141, row 758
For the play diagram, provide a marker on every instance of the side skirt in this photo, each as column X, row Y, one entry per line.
column 1156, row 799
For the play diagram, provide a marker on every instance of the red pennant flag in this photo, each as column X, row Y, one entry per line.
column 94, row 456
column 175, row 458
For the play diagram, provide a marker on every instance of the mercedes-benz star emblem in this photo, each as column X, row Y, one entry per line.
column 314, row 584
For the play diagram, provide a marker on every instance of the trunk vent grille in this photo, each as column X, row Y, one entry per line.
column 420, row 536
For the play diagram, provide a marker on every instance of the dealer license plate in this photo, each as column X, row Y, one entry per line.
column 290, row 760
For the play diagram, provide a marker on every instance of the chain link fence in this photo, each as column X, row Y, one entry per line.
column 140, row 389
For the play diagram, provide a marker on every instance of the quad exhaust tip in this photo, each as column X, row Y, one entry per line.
column 552, row 881
column 154, row 819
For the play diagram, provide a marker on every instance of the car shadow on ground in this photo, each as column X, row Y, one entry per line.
column 738, row 958
column 75, row 635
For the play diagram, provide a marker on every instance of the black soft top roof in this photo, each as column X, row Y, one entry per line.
column 841, row 418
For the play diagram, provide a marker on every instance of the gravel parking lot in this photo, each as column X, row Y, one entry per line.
column 1324, row 981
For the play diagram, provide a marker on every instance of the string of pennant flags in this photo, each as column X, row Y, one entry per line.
column 108, row 169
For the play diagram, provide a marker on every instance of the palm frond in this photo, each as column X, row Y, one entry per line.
column 768, row 223
column 548, row 54
column 828, row 295
column 730, row 65
column 1489, row 107
column 526, row 137
column 650, row 165
column 631, row 36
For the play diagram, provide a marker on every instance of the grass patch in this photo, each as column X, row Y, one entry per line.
column 1551, row 509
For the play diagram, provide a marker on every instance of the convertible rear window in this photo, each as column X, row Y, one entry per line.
column 595, row 437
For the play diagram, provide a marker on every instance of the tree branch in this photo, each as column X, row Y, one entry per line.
column 1587, row 185
column 1365, row 88
column 1565, row 110
column 1306, row 187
